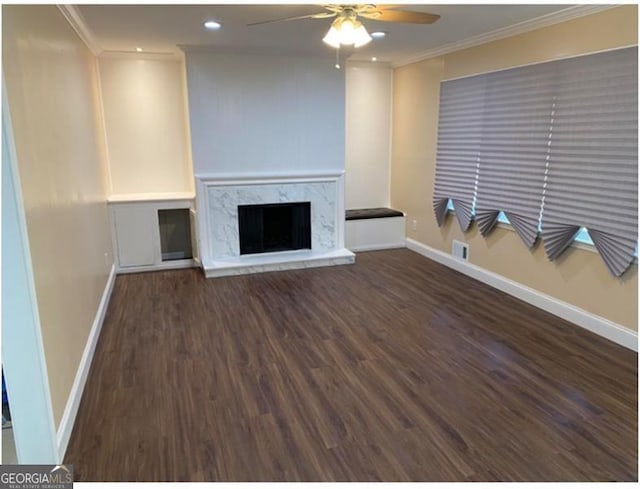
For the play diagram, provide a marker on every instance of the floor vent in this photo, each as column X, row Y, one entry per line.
column 460, row 250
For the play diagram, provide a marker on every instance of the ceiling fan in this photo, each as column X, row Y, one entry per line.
column 346, row 29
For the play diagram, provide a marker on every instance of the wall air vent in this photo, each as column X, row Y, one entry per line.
column 460, row 250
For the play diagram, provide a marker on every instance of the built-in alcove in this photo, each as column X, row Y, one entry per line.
column 153, row 231
column 265, row 228
column 175, row 234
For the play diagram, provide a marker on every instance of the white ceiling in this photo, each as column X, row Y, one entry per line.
column 161, row 28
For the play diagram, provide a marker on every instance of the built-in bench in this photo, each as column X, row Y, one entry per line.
column 375, row 213
column 378, row 228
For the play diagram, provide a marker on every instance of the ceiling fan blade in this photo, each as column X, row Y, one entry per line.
column 383, row 7
column 384, row 15
column 320, row 15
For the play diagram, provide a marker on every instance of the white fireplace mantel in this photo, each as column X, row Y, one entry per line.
column 217, row 199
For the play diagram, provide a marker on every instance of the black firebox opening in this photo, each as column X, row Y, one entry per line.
column 267, row 228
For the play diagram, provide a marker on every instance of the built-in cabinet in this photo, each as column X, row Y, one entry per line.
column 153, row 233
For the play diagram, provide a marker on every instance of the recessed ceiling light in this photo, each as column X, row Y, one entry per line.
column 378, row 34
column 212, row 25
column 374, row 59
column 139, row 50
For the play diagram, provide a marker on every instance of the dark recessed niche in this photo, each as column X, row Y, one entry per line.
column 175, row 234
column 266, row 228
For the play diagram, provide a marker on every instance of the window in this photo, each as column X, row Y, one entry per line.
column 582, row 236
column 549, row 148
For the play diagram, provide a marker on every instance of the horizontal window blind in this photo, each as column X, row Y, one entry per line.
column 554, row 146
column 592, row 179
column 517, row 118
column 459, row 133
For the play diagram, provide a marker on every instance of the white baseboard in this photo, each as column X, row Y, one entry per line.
column 73, row 403
column 377, row 247
column 596, row 324
column 166, row 265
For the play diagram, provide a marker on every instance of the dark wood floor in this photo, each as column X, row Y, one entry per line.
column 395, row 368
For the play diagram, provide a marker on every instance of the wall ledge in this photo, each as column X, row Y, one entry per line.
column 596, row 324
column 150, row 197
column 261, row 178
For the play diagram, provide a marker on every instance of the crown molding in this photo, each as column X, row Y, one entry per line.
column 231, row 50
column 368, row 64
column 148, row 55
column 553, row 18
column 77, row 22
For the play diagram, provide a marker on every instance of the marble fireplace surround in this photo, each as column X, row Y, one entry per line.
column 218, row 197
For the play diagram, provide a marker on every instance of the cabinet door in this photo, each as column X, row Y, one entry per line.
column 136, row 229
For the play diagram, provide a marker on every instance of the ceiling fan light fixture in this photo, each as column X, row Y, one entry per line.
column 346, row 31
column 332, row 38
column 361, row 37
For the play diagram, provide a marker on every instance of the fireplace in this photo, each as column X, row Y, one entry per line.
column 300, row 224
column 267, row 228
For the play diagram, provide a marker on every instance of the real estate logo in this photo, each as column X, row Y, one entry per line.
column 36, row 476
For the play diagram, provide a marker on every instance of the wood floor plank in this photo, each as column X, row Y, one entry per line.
column 380, row 371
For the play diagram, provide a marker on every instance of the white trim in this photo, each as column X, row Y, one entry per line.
column 267, row 181
column 73, row 402
column 79, row 25
column 149, row 197
column 590, row 248
column 596, row 324
column 340, row 210
column 378, row 247
column 103, row 122
column 547, row 20
column 288, row 52
column 146, row 55
column 202, row 220
column 23, row 355
column 187, row 118
column 267, row 178
column 390, row 152
column 363, row 63
column 166, row 265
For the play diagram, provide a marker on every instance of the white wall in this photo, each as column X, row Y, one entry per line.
column 146, row 125
column 265, row 114
column 368, row 134
column 52, row 91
